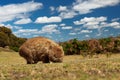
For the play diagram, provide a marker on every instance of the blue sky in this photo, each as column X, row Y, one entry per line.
column 61, row 20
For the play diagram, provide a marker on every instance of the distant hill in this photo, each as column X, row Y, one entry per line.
column 92, row 46
column 9, row 39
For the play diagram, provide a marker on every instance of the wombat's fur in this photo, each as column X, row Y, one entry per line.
column 41, row 49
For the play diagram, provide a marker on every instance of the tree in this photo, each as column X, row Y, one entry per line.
column 71, row 47
column 68, row 49
column 9, row 39
column 94, row 47
column 16, row 42
column 116, row 48
column 4, row 41
column 5, row 30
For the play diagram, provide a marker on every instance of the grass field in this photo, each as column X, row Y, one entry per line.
column 14, row 67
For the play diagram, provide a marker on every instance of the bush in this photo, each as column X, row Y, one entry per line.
column 4, row 40
column 5, row 30
column 74, row 47
column 15, row 48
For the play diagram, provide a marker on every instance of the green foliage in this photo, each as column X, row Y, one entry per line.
column 117, row 43
column 6, row 30
column 3, row 39
column 84, row 45
column 9, row 39
column 105, row 41
column 75, row 46
column 14, row 48
column 68, row 49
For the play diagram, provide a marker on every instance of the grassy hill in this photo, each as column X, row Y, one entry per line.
column 7, row 38
column 13, row 67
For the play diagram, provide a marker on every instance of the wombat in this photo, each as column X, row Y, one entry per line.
column 41, row 49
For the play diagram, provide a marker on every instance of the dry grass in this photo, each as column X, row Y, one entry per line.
column 13, row 67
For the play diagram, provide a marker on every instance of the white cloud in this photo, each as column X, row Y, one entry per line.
column 62, row 24
column 1, row 25
column 67, row 27
column 48, row 20
column 50, row 29
column 85, row 31
column 52, row 8
column 96, row 23
column 106, row 30
column 5, row 18
column 11, row 27
column 87, row 6
column 92, row 26
column 77, row 29
column 94, row 19
column 83, row 7
column 67, row 14
column 91, row 22
column 78, row 22
column 26, row 32
column 114, row 24
column 117, row 27
column 72, row 33
column 62, row 8
column 12, row 11
column 20, row 32
column 115, row 19
column 23, row 21
column 87, row 36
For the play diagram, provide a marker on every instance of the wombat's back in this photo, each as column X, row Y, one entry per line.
column 38, row 43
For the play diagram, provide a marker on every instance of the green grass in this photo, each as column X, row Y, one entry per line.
column 14, row 67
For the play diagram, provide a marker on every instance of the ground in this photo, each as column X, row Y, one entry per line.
column 14, row 67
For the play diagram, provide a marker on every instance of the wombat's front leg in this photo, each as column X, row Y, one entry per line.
column 45, row 59
column 29, row 61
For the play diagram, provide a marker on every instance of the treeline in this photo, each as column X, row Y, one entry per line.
column 10, row 40
column 92, row 47
column 71, row 47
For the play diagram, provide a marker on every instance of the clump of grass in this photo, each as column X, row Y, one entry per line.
column 108, row 54
column 84, row 54
column 65, row 65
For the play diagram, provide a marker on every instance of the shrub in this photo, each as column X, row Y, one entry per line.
column 15, row 48
column 4, row 40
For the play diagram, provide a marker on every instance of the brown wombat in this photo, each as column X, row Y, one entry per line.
column 41, row 49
